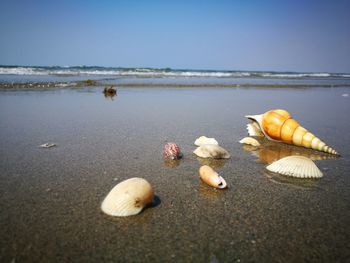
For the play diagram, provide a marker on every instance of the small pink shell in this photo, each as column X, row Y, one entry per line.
column 172, row 151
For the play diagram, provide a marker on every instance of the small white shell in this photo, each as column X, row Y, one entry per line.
column 250, row 141
column 128, row 197
column 212, row 178
column 47, row 145
column 296, row 166
column 211, row 151
column 254, row 129
column 205, row 140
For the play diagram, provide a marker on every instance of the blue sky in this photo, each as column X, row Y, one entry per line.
column 233, row 35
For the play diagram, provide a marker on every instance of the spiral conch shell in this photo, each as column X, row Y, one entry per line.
column 128, row 197
column 212, row 178
column 278, row 125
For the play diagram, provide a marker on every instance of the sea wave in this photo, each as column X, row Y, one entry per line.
column 150, row 72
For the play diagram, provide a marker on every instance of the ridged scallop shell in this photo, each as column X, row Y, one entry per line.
column 128, row 197
column 278, row 125
column 211, row 151
column 296, row 166
column 172, row 151
column 212, row 178
column 205, row 140
column 250, row 141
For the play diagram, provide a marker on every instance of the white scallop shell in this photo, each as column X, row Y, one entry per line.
column 128, row 197
column 296, row 166
column 211, row 151
column 250, row 141
column 205, row 140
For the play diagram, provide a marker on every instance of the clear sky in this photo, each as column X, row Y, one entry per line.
column 233, row 35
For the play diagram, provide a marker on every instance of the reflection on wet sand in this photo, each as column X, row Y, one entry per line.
column 213, row 163
column 109, row 96
column 171, row 163
column 270, row 151
column 291, row 181
column 209, row 192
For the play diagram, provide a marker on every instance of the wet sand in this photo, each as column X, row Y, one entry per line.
column 50, row 198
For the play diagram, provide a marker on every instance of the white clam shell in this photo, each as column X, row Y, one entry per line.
column 211, row 151
column 212, row 178
column 254, row 129
column 250, row 141
column 296, row 166
column 47, row 145
column 205, row 140
column 128, row 197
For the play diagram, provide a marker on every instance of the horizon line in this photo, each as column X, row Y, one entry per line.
column 172, row 69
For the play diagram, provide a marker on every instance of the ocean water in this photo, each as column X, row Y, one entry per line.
column 39, row 77
column 50, row 198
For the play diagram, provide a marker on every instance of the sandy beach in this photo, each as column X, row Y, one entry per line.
column 50, row 198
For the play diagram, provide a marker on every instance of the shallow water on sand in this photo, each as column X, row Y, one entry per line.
column 50, row 198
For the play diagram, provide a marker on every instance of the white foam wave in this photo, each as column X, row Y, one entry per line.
column 295, row 75
column 146, row 72
column 21, row 71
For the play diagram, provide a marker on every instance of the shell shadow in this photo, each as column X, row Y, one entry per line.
column 209, row 192
column 144, row 216
column 156, row 202
column 299, row 183
column 169, row 163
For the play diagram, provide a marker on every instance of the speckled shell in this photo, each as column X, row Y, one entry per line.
column 278, row 125
column 172, row 151
column 211, row 151
column 212, row 178
column 296, row 166
column 128, row 197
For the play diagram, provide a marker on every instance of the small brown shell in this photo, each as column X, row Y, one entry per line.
column 172, row 151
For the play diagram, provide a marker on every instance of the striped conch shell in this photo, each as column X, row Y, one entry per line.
column 278, row 125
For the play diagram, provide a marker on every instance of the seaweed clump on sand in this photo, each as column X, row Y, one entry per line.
column 109, row 91
column 90, row 82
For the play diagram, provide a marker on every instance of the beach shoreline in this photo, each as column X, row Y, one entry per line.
column 51, row 197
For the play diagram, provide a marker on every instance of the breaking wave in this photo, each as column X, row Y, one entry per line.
column 166, row 72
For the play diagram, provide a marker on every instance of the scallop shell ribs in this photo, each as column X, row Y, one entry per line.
column 128, row 197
